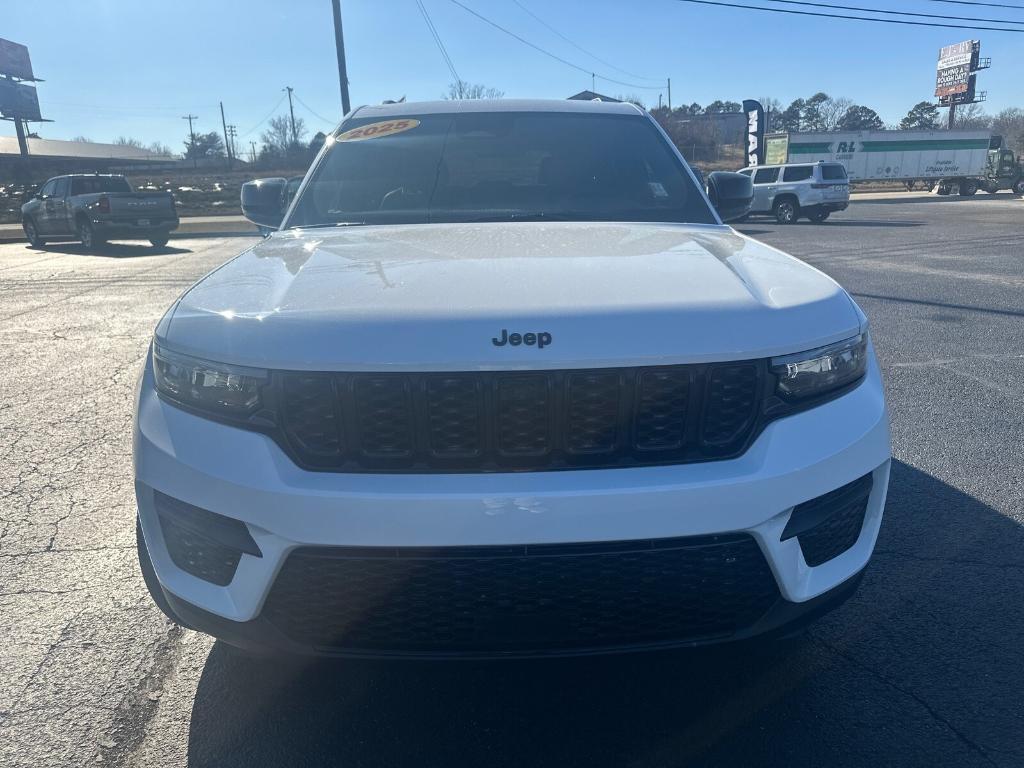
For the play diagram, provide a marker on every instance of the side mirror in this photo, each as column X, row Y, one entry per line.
column 263, row 201
column 732, row 194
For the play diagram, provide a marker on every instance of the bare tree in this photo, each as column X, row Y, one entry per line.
column 86, row 139
column 461, row 89
column 277, row 139
column 632, row 98
column 128, row 141
column 1010, row 125
column 971, row 116
column 159, row 148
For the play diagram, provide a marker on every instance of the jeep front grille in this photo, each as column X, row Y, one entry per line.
column 519, row 421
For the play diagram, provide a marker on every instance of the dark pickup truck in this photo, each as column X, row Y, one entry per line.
column 94, row 208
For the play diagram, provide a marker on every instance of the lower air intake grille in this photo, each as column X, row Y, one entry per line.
column 830, row 524
column 521, row 598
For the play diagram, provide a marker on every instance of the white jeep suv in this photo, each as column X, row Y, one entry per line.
column 787, row 192
column 503, row 384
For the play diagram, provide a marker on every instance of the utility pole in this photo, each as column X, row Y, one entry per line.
column 233, row 134
column 291, row 109
column 192, row 134
column 339, row 44
column 670, row 94
column 952, row 116
column 593, row 89
column 252, row 145
column 227, row 143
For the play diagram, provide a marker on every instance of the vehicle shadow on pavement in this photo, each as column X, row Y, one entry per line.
column 112, row 250
column 923, row 666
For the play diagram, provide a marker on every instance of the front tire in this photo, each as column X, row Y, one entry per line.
column 786, row 211
column 159, row 241
column 87, row 235
column 1018, row 188
column 32, row 233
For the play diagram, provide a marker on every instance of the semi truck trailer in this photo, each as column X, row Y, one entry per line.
column 964, row 160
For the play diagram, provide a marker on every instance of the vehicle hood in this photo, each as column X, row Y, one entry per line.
column 433, row 296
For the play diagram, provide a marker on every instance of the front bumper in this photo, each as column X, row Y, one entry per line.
column 245, row 476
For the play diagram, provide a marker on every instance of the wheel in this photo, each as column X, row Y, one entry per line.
column 87, row 235
column 1019, row 187
column 819, row 216
column 786, row 211
column 968, row 187
column 32, row 234
column 159, row 241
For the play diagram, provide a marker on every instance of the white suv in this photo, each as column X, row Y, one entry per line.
column 503, row 384
column 787, row 192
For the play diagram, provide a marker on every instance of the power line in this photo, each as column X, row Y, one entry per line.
column 267, row 117
column 989, row 5
column 580, row 47
column 549, row 54
column 309, row 109
column 437, row 39
column 892, row 13
column 842, row 16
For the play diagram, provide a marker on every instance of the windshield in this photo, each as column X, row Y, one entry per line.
column 500, row 166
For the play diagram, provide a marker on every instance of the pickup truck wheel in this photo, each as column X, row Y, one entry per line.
column 32, row 234
column 1019, row 187
column 87, row 235
column 159, row 241
column 786, row 211
column 968, row 188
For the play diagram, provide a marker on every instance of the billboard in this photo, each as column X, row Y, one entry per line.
column 959, row 54
column 14, row 60
column 19, row 100
column 965, row 96
column 953, row 80
column 755, row 132
column 953, row 70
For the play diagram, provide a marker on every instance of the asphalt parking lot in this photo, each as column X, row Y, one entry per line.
column 925, row 665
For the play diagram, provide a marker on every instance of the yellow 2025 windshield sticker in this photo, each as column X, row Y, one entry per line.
column 376, row 130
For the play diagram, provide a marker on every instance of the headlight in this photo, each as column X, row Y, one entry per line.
column 225, row 390
column 819, row 371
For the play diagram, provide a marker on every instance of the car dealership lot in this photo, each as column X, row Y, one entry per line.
column 923, row 667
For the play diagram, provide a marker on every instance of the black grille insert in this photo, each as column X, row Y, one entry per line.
column 509, row 421
column 830, row 524
column 207, row 545
column 521, row 598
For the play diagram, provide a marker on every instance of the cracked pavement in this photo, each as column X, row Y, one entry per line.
column 924, row 666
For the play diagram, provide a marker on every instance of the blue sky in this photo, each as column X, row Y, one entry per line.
column 133, row 67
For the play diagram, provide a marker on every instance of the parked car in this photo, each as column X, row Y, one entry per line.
column 504, row 384
column 789, row 192
column 94, row 208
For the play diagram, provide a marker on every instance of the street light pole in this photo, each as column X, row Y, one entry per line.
column 339, row 44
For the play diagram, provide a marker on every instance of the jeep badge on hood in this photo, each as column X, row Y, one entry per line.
column 541, row 339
